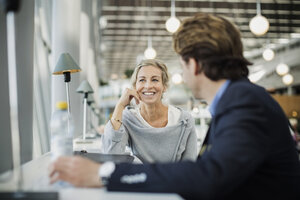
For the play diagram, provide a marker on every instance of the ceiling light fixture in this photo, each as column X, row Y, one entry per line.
column 282, row 69
column 268, row 54
column 287, row 79
column 172, row 24
column 177, row 78
column 259, row 24
column 150, row 53
column 103, row 22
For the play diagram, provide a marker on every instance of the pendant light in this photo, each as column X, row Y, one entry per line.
column 282, row 69
column 268, row 54
column 287, row 79
column 176, row 78
column 259, row 24
column 172, row 24
column 150, row 53
column 102, row 22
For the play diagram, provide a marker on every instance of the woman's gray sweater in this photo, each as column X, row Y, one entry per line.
column 166, row 144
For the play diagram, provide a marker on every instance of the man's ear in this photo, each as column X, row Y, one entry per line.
column 194, row 65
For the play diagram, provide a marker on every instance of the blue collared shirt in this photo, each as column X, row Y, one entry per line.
column 213, row 106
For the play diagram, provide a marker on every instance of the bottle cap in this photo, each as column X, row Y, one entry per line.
column 61, row 105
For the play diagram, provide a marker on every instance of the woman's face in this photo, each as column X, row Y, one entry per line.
column 149, row 84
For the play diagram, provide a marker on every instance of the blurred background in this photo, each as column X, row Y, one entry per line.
column 107, row 38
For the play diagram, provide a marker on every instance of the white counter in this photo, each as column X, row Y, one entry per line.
column 35, row 178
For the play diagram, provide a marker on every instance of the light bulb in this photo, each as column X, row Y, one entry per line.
column 196, row 110
column 103, row 47
column 172, row 24
column 282, row 69
column 259, row 25
column 287, row 79
column 177, row 78
column 103, row 22
column 150, row 53
column 268, row 54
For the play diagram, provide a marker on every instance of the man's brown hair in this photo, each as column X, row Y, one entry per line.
column 215, row 43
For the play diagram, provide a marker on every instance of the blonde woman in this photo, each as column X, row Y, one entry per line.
column 155, row 132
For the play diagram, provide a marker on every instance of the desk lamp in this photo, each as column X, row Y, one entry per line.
column 84, row 88
column 66, row 65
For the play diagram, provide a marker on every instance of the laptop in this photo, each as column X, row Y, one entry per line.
column 101, row 158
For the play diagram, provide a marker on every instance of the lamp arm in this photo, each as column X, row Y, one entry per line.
column 84, row 115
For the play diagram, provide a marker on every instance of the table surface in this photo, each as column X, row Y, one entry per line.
column 35, row 178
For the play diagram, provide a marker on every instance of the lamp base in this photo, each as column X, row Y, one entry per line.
column 90, row 135
column 83, row 141
column 29, row 195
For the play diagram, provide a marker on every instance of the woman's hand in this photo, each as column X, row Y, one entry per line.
column 76, row 170
column 127, row 96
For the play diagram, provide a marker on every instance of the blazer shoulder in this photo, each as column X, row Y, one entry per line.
column 241, row 93
column 244, row 89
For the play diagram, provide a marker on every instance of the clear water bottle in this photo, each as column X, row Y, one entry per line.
column 62, row 129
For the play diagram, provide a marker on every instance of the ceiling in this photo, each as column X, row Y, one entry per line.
column 130, row 22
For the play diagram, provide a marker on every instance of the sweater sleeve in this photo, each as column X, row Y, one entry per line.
column 190, row 152
column 114, row 141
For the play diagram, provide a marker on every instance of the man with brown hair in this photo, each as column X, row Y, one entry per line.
column 249, row 152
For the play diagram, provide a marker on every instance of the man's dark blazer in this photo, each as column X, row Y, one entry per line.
column 250, row 154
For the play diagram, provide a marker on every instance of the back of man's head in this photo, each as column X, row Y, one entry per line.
column 215, row 43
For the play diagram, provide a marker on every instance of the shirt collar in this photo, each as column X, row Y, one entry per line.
column 213, row 106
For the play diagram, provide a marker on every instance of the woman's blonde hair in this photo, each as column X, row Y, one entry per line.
column 154, row 63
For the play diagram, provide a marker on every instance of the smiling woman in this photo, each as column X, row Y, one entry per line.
column 155, row 132
column 149, row 85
